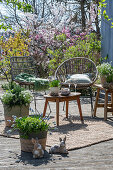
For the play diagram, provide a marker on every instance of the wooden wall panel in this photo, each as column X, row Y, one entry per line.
column 107, row 34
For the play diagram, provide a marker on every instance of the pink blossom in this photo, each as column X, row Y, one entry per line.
column 83, row 34
column 71, row 44
column 68, row 35
column 37, row 37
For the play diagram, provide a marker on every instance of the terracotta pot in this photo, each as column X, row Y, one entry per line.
column 18, row 111
column 54, row 91
column 27, row 145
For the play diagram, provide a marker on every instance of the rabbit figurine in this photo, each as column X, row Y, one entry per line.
column 38, row 152
column 59, row 148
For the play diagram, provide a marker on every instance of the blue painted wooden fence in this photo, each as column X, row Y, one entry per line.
column 107, row 34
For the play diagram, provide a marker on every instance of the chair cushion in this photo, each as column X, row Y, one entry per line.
column 78, row 79
column 39, row 83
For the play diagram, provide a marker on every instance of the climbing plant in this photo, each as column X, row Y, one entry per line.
column 103, row 5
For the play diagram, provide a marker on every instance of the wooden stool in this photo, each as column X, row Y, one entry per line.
column 58, row 99
column 108, row 107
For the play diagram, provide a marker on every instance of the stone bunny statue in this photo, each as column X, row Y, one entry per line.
column 59, row 148
column 38, row 152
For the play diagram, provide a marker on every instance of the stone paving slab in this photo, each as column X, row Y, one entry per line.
column 95, row 157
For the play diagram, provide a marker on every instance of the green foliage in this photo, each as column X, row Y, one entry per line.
column 28, row 125
column 20, row 5
column 25, row 7
column 107, row 70
column 58, row 58
column 104, row 68
column 89, row 46
column 54, row 83
column 9, row 86
column 102, row 5
column 41, row 84
column 15, row 95
column 60, row 37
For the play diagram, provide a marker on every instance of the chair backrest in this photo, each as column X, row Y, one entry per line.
column 78, row 65
column 22, row 64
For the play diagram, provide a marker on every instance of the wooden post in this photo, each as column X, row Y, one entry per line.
column 67, row 104
column 57, row 111
column 105, row 105
column 45, row 107
column 96, row 101
column 79, row 107
column 112, row 101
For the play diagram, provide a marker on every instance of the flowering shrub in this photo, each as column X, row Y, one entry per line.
column 16, row 45
column 73, row 45
column 56, row 40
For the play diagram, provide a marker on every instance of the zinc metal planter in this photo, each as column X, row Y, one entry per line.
column 18, row 111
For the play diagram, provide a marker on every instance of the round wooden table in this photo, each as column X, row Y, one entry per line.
column 58, row 99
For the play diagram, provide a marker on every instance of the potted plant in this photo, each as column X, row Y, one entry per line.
column 31, row 127
column 106, row 73
column 16, row 101
column 54, row 87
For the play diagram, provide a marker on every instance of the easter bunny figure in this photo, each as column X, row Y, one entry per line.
column 59, row 148
column 38, row 152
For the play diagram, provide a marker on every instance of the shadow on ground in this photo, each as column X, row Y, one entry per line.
column 27, row 158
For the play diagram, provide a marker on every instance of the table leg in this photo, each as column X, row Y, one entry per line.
column 57, row 112
column 96, row 102
column 67, row 104
column 79, row 107
column 45, row 107
column 105, row 105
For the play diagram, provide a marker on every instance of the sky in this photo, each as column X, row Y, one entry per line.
column 3, row 9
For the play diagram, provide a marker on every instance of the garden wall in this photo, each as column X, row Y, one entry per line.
column 107, row 34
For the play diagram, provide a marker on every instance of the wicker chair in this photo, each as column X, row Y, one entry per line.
column 23, row 64
column 78, row 65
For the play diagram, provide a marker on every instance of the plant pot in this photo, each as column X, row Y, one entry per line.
column 27, row 145
column 54, row 91
column 103, row 79
column 18, row 111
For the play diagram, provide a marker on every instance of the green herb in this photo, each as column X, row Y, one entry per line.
column 55, row 83
column 28, row 125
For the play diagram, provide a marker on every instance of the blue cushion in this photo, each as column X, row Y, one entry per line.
column 79, row 79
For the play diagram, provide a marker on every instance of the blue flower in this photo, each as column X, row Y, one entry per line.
column 8, row 120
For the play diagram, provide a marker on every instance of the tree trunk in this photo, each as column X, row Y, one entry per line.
column 97, row 21
column 82, row 3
